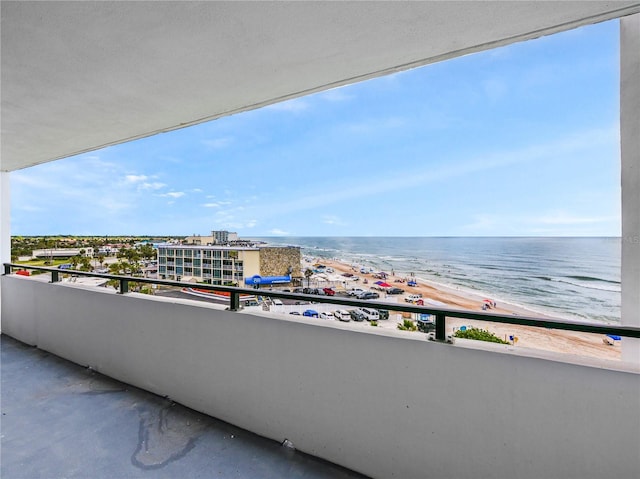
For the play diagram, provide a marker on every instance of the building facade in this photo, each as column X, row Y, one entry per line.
column 216, row 264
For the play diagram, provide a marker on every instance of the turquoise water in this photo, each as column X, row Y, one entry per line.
column 574, row 278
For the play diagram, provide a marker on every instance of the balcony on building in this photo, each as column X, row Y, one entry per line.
column 329, row 401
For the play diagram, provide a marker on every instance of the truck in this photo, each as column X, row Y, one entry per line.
column 413, row 298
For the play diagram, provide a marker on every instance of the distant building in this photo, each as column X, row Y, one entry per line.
column 217, row 238
column 221, row 264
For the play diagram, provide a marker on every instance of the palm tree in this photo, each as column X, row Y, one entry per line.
column 307, row 274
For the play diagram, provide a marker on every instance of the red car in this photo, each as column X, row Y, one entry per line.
column 329, row 291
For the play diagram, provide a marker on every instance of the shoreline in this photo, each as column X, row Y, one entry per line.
column 568, row 342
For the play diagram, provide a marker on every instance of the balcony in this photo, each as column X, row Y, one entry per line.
column 104, row 428
column 384, row 405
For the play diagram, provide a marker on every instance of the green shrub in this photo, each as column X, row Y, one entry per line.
column 407, row 325
column 479, row 335
column 373, row 322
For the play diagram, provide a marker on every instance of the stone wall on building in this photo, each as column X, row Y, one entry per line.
column 276, row 261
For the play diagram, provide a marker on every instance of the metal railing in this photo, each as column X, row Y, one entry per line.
column 440, row 314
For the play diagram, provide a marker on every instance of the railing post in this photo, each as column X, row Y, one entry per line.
column 124, row 286
column 55, row 277
column 441, row 327
column 234, row 301
column 7, row 269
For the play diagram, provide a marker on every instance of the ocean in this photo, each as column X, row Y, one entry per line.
column 572, row 278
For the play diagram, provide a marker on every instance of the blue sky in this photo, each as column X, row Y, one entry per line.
column 521, row 140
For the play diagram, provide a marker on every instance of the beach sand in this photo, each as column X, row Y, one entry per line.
column 569, row 342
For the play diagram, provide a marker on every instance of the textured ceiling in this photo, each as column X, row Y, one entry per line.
column 77, row 76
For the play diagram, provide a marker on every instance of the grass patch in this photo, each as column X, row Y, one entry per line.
column 479, row 335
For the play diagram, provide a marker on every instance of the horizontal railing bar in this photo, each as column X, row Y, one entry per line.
column 627, row 331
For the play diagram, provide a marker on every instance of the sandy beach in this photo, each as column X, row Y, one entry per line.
column 569, row 342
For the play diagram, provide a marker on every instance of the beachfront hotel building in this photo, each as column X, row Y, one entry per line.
column 225, row 264
column 79, row 76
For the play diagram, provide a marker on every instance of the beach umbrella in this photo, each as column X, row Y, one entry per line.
column 384, row 285
column 379, row 283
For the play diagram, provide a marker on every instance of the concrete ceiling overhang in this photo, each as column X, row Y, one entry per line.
column 77, row 76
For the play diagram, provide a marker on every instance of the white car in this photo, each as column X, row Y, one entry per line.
column 277, row 302
column 355, row 292
column 327, row 315
column 342, row 315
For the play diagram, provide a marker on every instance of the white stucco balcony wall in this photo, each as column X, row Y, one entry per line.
column 386, row 406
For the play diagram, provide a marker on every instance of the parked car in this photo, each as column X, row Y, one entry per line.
column 383, row 313
column 412, row 298
column 277, row 302
column 426, row 323
column 342, row 315
column 329, row 291
column 395, row 291
column 357, row 315
column 298, row 290
column 327, row 315
column 311, row 313
column 297, row 313
column 355, row 291
column 370, row 314
column 368, row 295
column 251, row 302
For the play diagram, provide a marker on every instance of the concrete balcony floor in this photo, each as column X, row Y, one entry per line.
column 62, row 420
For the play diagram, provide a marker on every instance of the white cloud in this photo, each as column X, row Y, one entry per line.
column 563, row 218
column 136, row 178
column 336, row 95
column 482, row 222
column 152, row 186
column 278, row 232
column 217, row 143
column 333, row 220
column 552, row 224
column 173, row 194
column 211, row 205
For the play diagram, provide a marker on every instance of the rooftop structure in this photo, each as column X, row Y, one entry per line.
column 217, row 237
